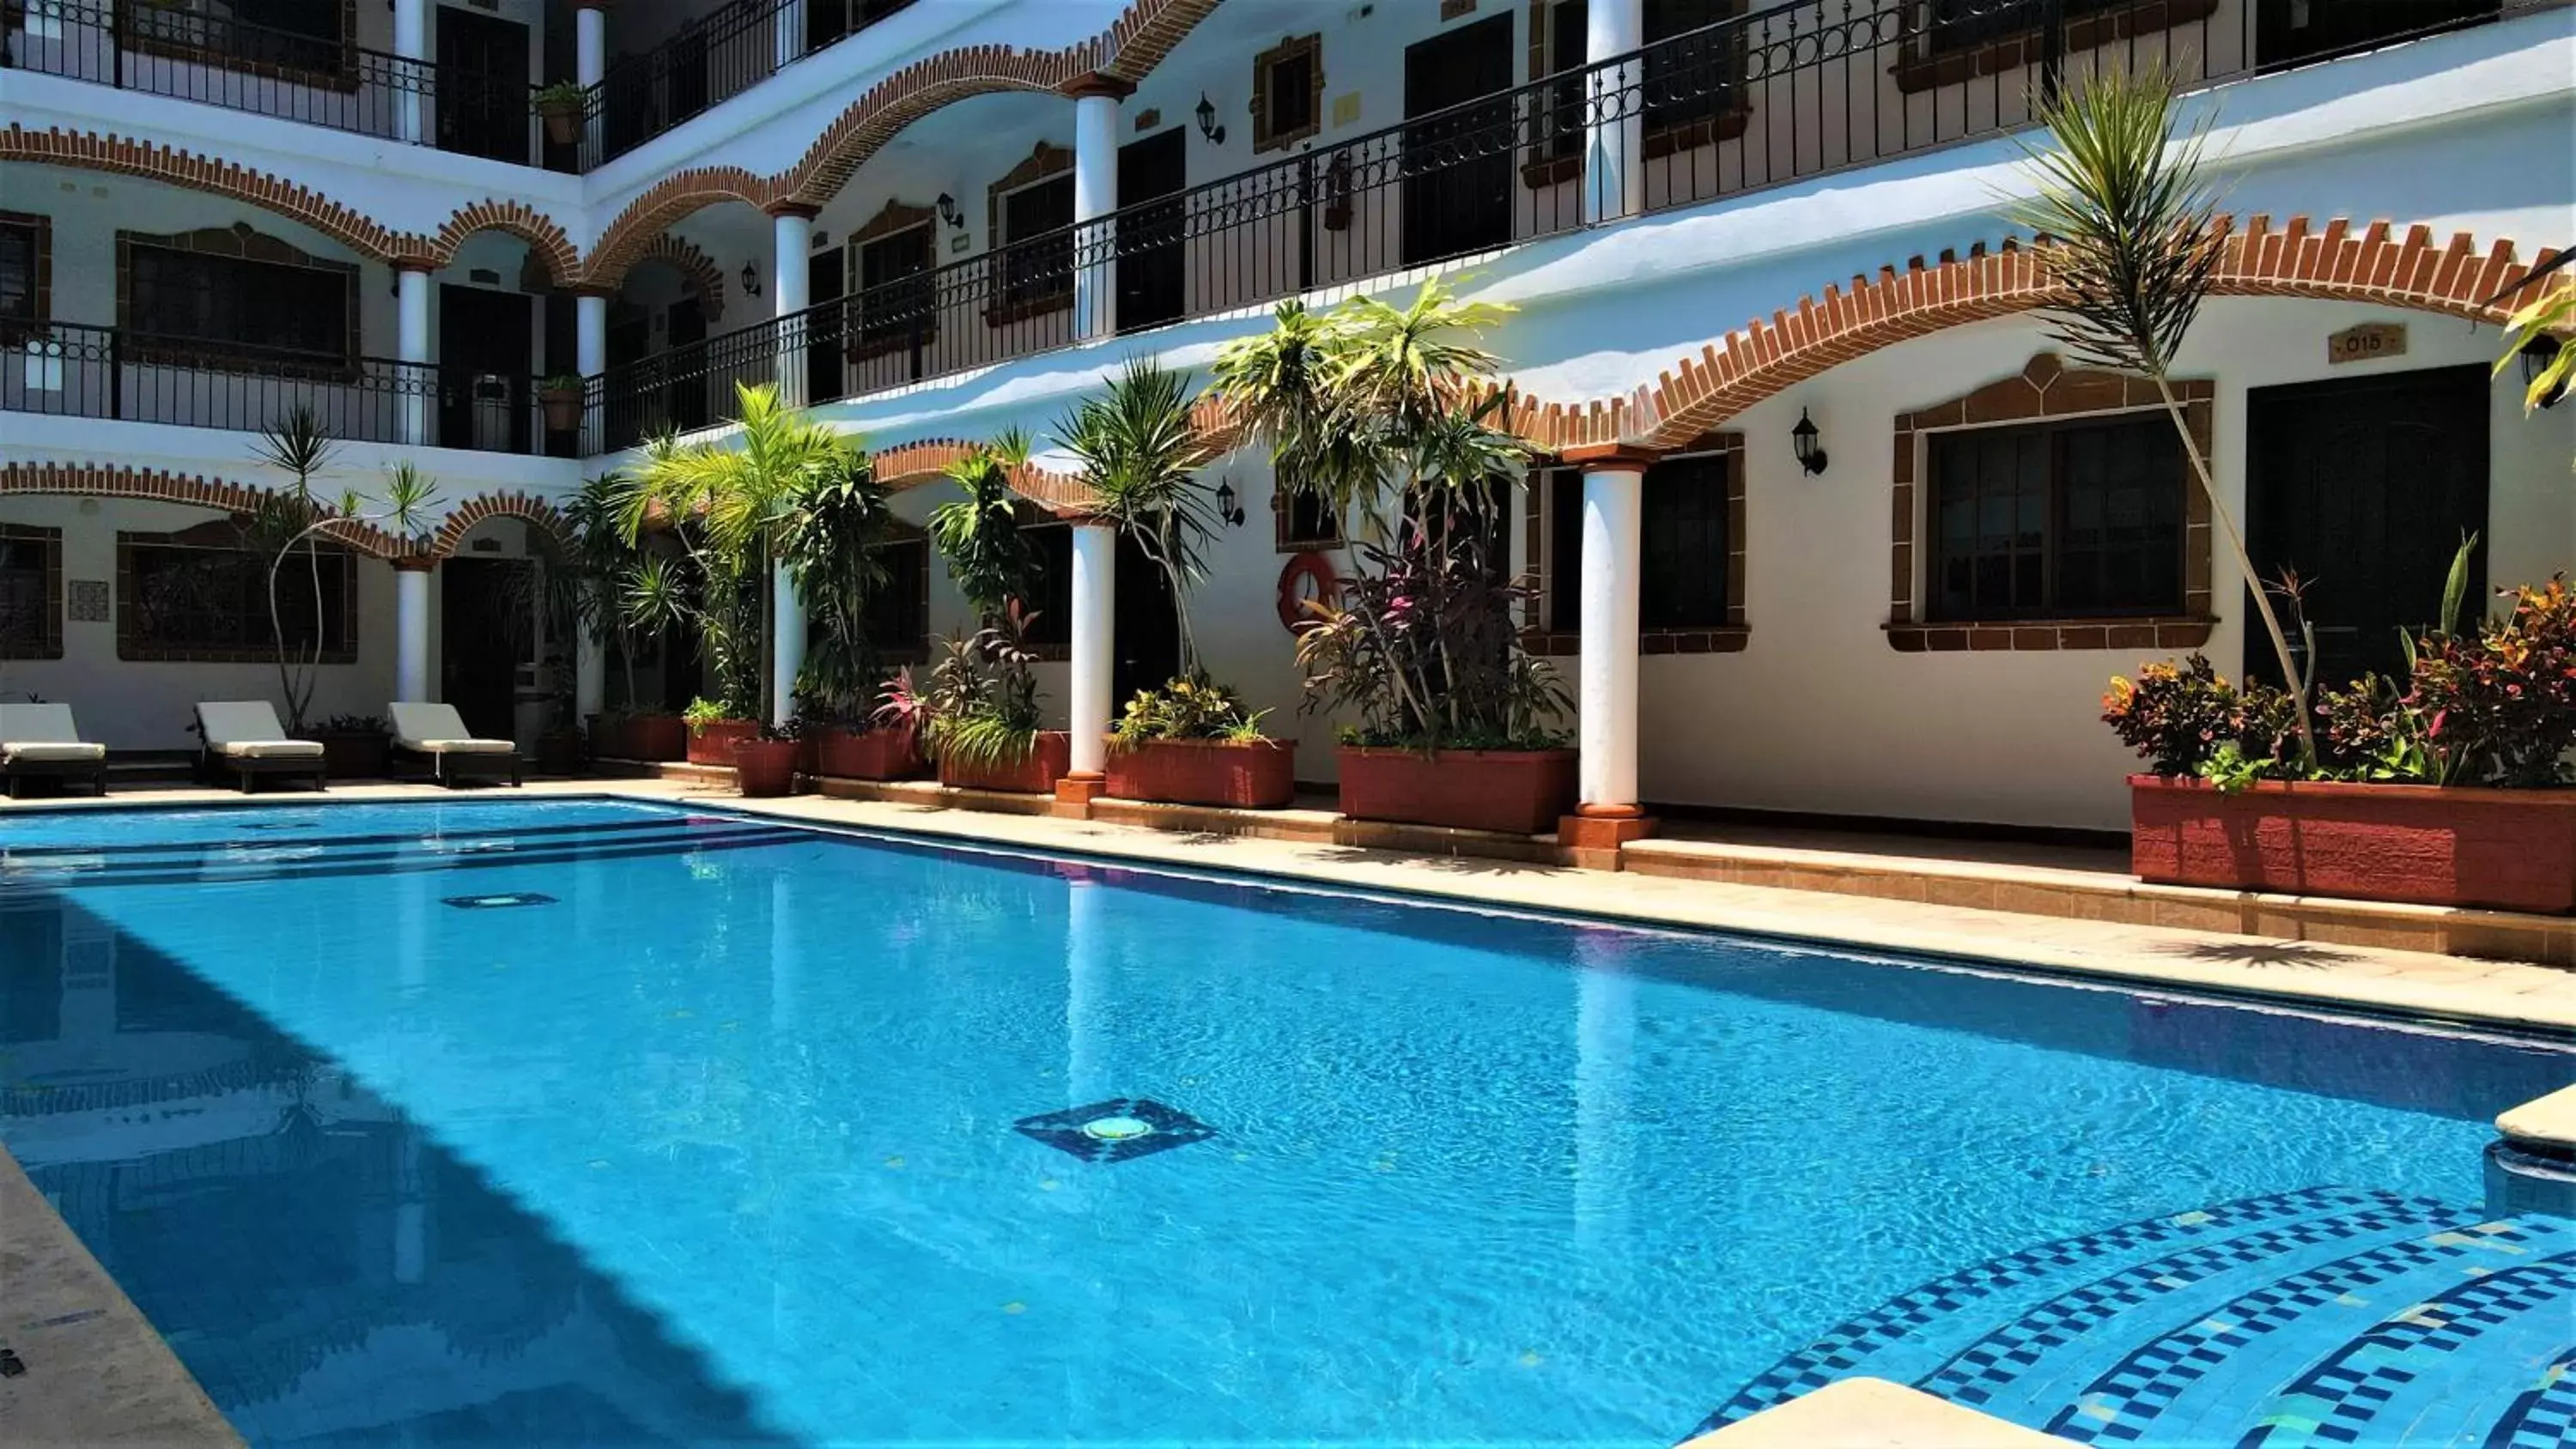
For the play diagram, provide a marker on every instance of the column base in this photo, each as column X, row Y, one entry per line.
column 1075, row 792
column 1593, row 834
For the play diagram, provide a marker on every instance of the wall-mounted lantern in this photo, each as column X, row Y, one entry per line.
column 1228, row 506
column 2536, row 356
column 750, row 280
column 1802, row 439
column 951, row 213
column 1213, row 133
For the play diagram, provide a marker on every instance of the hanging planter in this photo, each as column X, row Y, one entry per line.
column 560, row 106
column 561, row 397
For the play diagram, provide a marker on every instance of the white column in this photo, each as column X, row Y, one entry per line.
column 793, row 229
column 1095, row 195
column 1613, row 147
column 786, row 643
column 1095, row 591
column 1606, row 691
column 411, row 48
column 589, row 64
column 411, row 345
column 411, row 635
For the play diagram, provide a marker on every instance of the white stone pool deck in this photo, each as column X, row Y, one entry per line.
column 134, row 1391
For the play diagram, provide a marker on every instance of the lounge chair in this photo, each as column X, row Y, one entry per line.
column 243, row 736
column 435, row 735
column 40, row 740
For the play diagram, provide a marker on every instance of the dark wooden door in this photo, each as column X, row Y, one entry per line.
column 1152, row 286
column 684, row 329
column 485, row 355
column 2365, row 488
column 478, row 653
column 823, row 327
column 1148, row 631
column 897, row 305
column 482, row 85
column 1458, row 155
column 2290, row 31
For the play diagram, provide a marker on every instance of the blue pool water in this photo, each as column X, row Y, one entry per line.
column 593, row 1122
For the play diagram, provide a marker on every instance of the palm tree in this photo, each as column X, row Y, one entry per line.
column 298, row 445
column 602, row 557
column 2133, row 240
column 409, row 497
column 1141, row 456
column 830, row 542
column 978, row 535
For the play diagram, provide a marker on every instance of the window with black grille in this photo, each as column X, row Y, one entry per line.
column 1682, row 541
column 2069, row 520
column 241, row 305
column 207, row 602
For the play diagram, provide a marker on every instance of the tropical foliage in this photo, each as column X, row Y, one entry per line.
column 1187, row 709
column 295, row 520
column 1140, row 456
column 982, row 706
column 978, row 535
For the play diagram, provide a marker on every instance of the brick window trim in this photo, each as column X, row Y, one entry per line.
column 210, row 537
column 1923, row 69
column 15, row 328
column 1283, row 538
column 2045, row 389
column 237, row 240
column 48, row 643
column 1654, row 143
column 342, row 77
column 1727, row 638
column 1310, row 45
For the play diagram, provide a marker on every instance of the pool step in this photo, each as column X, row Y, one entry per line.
column 2322, row 1316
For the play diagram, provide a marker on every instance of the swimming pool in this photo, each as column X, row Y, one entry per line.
column 600, row 1121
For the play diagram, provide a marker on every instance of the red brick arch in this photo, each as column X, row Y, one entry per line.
column 461, row 520
column 90, row 151
column 697, row 270
column 111, row 480
column 544, row 236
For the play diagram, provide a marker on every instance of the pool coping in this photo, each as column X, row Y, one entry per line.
column 92, row 1369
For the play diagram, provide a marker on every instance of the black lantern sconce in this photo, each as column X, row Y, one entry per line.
column 1228, row 506
column 2537, row 354
column 1213, row 133
column 950, row 213
column 750, row 280
column 1802, row 440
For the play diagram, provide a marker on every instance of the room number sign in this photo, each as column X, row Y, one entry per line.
column 2367, row 342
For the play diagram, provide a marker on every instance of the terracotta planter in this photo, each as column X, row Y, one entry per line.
column 352, row 754
column 1254, row 775
column 563, row 121
column 562, row 407
column 1514, row 792
column 656, row 737
column 559, row 752
column 2509, row 850
column 713, row 743
column 869, row 755
column 765, row 767
column 1034, row 773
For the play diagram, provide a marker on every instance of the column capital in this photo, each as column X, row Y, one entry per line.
column 801, row 210
column 414, row 263
column 415, row 563
column 593, row 290
column 1611, row 457
column 1097, row 83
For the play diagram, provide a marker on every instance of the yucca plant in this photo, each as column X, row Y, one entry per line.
column 978, row 535
column 408, row 498
column 2132, row 238
column 1140, row 457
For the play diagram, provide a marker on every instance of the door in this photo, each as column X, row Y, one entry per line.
column 897, row 312
column 684, row 327
column 485, row 352
column 1147, row 630
column 482, row 85
column 823, row 327
column 2290, row 31
column 478, row 652
column 1457, row 155
column 2365, row 488
column 1150, row 245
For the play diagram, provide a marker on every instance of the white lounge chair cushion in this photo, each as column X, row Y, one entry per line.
column 437, row 729
column 43, row 732
column 270, row 749
column 36, row 750
column 228, row 724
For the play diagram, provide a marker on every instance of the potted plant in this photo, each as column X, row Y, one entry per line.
column 831, row 542
column 354, row 746
column 890, row 747
column 1390, row 413
column 984, row 718
column 561, row 397
column 765, row 760
column 560, row 106
column 1193, row 743
column 716, row 728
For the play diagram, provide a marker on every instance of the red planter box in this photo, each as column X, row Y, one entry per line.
column 713, row 744
column 1258, row 775
column 869, row 755
column 2511, row 850
column 638, row 737
column 765, row 767
column 1514, row 792
column 1034, row 773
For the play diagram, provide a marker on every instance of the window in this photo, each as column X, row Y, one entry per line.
column 1032, row 232
column 201, row 595
column 31, row 592
column 898, row 613
column 26, row 271
column 1694, row 81
column 1053, row 604
column 1963, row 24
column 239, row 293
column 1685, row 541
column 302, row 35
column 2063, row 519
column 896, row 302
column 1288, row 93
column 1303, row 519
column 1564, row 45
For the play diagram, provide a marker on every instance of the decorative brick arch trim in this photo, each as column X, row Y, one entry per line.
column 89, row 151
column 662, row 206
column 910, row 465
column 462, row 519
column 110, row 480
column 905, row 97
column 697, row 270
column 1762, row 360
column 544, row 236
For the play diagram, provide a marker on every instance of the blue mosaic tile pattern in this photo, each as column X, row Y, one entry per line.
column 2325, row 1317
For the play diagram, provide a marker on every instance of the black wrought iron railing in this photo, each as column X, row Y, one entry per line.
column 713, row 59
column 322, row 79
column 1758, row 100
column 70, row 370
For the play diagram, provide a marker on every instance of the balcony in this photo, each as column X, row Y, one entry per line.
column 66, row 369
column 711, row 60
column 1760, row 100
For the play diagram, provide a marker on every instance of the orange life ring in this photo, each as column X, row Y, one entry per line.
column 1306, row 576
